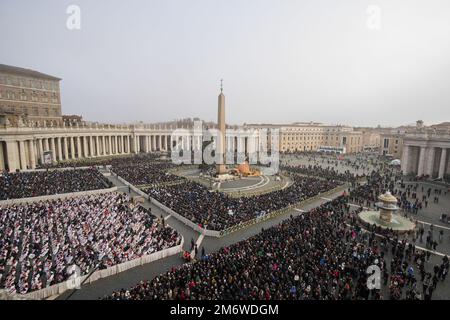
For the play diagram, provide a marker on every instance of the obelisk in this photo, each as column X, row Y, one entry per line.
column 221, row 167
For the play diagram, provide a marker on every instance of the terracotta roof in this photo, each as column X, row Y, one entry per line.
column 26, row 72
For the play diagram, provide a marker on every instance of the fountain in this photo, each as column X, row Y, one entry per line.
column 386, row 217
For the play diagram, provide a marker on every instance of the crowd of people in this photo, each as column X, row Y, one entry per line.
column 41, row 240
column 314, row 256
column 50, row 182
column 146, row 173
column 358, row 164
column 219, row 211
column 329, row 173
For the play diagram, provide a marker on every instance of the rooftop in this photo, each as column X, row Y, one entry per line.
column 26, row 72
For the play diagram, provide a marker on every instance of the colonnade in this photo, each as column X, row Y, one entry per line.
column 28, row 150
column 423, row 160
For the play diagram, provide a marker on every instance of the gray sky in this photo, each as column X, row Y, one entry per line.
column 282, row 61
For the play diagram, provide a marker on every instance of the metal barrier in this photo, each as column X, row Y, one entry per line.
column 239, row 226
column 279, row 212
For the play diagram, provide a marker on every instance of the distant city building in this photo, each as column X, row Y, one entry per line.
column 392, row 144
column 29, row 93
column 312, row 136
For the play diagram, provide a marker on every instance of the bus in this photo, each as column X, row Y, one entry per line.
column 333, row 150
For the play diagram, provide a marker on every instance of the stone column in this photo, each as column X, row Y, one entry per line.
column 420, row 169
column 85, row 147
column 136, row 144
column 12, row 156
column 97, row 147
column 146, row 143
column 72, row 147
column 2, row 161
column 104, row 145
column 23, row 159
column 41, row 150
column 32, row 154
column 66, row 148
column 442, row 163
column 46, row 148
column 58, row 142
column 91, row 146
column 80, row 154
column 240, row 150
column 117, row 144
column 53, row 149
column 406, row 159
column 429, row 163
column 109, row 145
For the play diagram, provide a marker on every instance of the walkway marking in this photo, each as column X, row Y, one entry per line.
column 434, row 225
column 328, row 199
column 299, row 210
column 167, row 217
column 355, row 205
column 198, row 243
column 400, row 241
column 263, row 182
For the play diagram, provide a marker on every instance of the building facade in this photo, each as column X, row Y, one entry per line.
column 23, row 145
column 29, row 93
column 311, row 136
column 426, row 151
column 392, row 144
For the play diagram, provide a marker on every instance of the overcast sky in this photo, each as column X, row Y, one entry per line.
column 281, row 61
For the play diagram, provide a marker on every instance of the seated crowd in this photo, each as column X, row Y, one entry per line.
column 314, row 256
column 146, row 173
column 218, row 211
column 41, row 240
column 105, row 161
column 41, row 183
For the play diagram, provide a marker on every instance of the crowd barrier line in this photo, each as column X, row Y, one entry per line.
column 59, row 288
column 56, row 196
